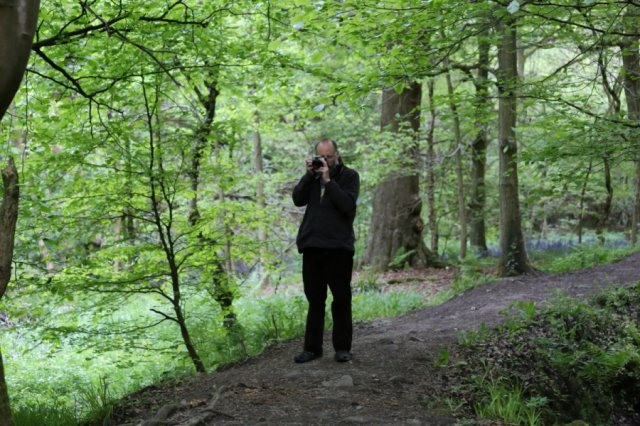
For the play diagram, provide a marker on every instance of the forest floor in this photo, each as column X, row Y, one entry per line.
column 393, row 379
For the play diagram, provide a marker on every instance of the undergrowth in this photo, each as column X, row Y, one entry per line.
column 575, row 360
column 63, row 384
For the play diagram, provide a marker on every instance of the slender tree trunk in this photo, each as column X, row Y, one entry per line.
column 514, row 259
column 221, row 290
column 258, row 170
column 8, row 219
column 396, row 224
column 6, row 418
column 477, row 196
column 462, row 208
column 161, row 195
column 431, row 172
column 606, row 207
column 582, row 196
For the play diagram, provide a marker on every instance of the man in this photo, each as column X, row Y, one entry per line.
column 326, row 239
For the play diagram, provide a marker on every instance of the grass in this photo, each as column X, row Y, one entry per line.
column 508, row 404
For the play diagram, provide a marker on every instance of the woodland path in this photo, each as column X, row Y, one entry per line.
column 392, row 379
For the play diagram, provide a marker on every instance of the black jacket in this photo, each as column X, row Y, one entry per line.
column 328, row 219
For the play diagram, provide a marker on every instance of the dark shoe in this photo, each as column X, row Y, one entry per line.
column 306, row 356
column 343, row 356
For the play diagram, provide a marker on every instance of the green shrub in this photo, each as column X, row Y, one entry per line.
column 571, row 351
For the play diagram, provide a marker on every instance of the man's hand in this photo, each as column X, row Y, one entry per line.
column 322, row 171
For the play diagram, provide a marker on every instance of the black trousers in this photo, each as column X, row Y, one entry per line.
column 322, row 269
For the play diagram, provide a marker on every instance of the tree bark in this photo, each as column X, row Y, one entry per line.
column 477, row 192
column 462, row 208
column 6, row 418
column 258, row 169
column 396, row 224
column 581, row 208
column 8, row 219
column 513, row 259
column 431, row 173
column 606, row 207
column 18, row 20
column 631, row 78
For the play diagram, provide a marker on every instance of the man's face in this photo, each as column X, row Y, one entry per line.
column 326, row 150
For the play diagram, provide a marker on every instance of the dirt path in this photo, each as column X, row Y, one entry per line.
column 392, row 379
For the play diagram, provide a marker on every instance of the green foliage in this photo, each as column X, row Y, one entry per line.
column 400, row 258
column 98, row 402
column 112, row 118
column 151, row 356
column 39, row 414
column 367, row 281
column 571, row 351
column 509, row 405
column 581, row 257
column 369, row 306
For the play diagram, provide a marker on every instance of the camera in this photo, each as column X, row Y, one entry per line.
column 316, row 162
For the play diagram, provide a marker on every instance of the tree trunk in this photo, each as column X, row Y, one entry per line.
column 396, row 226
column 258, row 170
column 582, row 196
column 606, row 207
column 513, row 259
column 6, row 418
column 462, row 208
column 18, row 20
column 431, row 173
column 477, row 193
column 8, row 219
column 631, row 78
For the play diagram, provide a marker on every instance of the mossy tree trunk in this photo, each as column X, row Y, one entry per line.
column 477, row 192
column 514, row 259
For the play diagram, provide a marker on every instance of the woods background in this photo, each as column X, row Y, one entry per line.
column 157, row 144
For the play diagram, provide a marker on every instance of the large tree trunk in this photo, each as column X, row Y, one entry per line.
column 18, row 20
column 477, row 192
column 631, row 78
column 513, row 259
column 396, row 225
